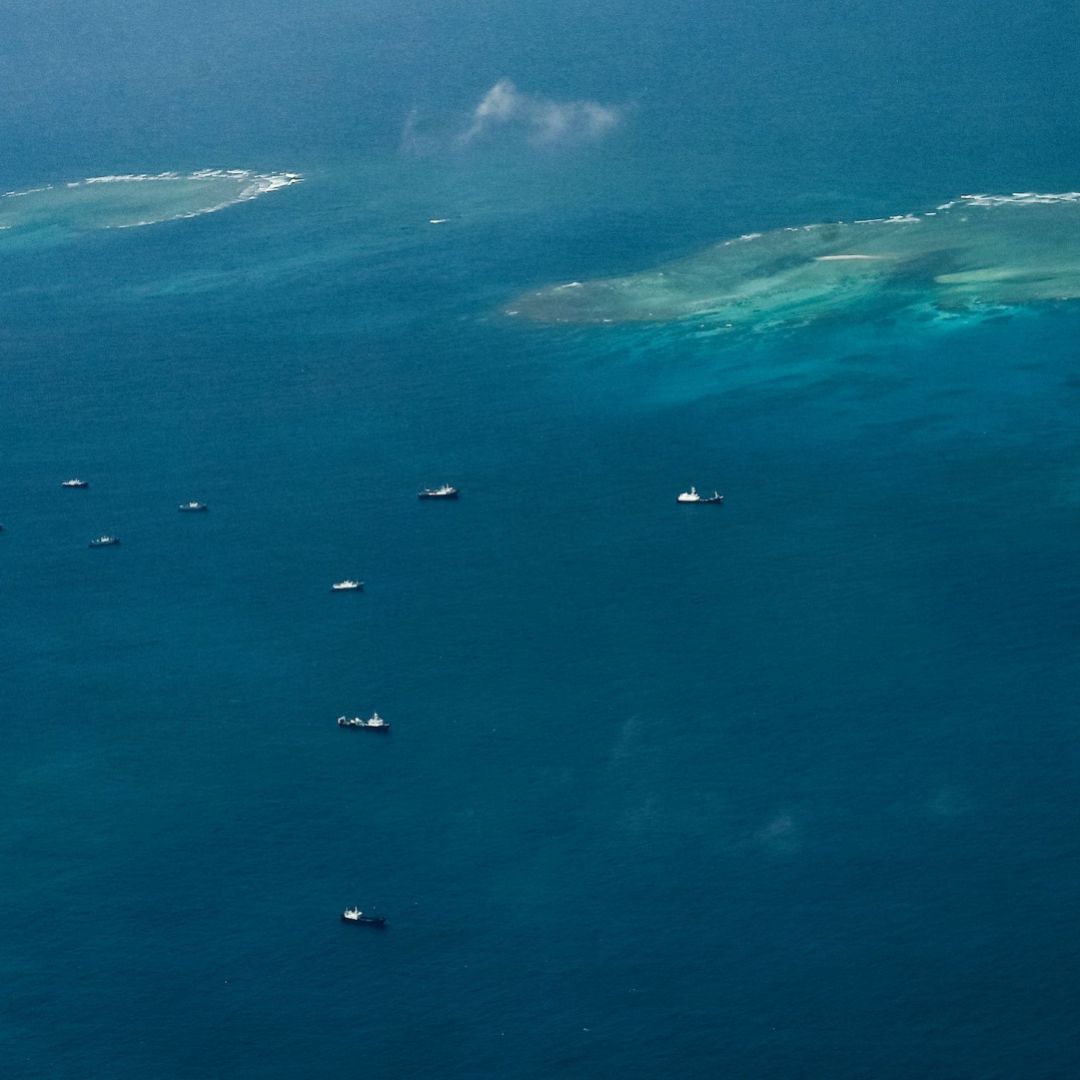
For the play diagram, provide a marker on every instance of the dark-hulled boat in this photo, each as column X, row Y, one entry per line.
column 355, row 915
column 192, row 507
column 105, row 541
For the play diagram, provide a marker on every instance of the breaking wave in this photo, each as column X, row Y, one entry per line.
column 130, row 200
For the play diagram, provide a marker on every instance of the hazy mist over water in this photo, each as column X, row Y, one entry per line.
column 780, row 788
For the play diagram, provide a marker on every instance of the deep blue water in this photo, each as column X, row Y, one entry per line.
column 784, row 789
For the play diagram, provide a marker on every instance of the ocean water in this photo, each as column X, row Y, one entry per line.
column 784, row 788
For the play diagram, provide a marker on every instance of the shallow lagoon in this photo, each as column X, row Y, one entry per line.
column 971, row 254
column 129, row 200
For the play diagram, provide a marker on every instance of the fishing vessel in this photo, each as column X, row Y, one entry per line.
column 694, row 496
column 355, row 915
column 376, row 723
column 105, row 541
column 348, row 585
column 192, row 507
column 444, row 492
column 75, row 482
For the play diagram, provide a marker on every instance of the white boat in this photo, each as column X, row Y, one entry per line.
column 191, row 507
column 348, row 585
column 376, row 723
column 446, row 491
column 694, row 496
column 75, row 482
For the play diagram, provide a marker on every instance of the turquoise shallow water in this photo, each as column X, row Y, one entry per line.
column 784, row 788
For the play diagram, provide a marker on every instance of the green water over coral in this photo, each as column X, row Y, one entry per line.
column 978, row 252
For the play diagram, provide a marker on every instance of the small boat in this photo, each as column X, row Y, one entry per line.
column 376, row 723
column 693, row 496
column 192, row 507
column 444, row 492
column 105, row 541
column 74, row 483
column 348, row 585
column 355, row 915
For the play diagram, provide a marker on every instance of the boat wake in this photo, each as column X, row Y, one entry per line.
column 132, row 200
column 973, row 256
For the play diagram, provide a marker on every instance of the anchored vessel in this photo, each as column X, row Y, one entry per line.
column 355, row 915
column 74, row 483
column 444, row 492
column 192, row 507
column 693, row 496
column 105, row 541
column 376, row 723
column 348, row 585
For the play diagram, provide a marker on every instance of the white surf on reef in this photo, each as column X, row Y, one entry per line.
column 130, row 200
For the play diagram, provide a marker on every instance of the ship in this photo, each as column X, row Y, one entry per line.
column 192, row 507
column 376, row 723
column 348, row 585
column 444, row 492
column 74, row 483
column 355, row 915
column 105, row 541
column 694, row 496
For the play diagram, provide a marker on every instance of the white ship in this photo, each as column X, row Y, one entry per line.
column 447, row 491
column 694, row 496
column 376, row 723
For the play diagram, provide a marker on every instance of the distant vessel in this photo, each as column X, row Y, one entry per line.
column 444, row 492
column 376, row 723
column 105, row 541
column 74, row 483
column 692, row 496
column 348, row 585
column 192, row 507
column 355, row 915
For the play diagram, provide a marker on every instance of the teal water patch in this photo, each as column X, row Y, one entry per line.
column 130, row 200
column 973, row 255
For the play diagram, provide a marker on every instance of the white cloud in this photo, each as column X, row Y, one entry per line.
column 541, row 120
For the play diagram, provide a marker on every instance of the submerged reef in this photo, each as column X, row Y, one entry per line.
column 130, row 200
column 974, row 253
